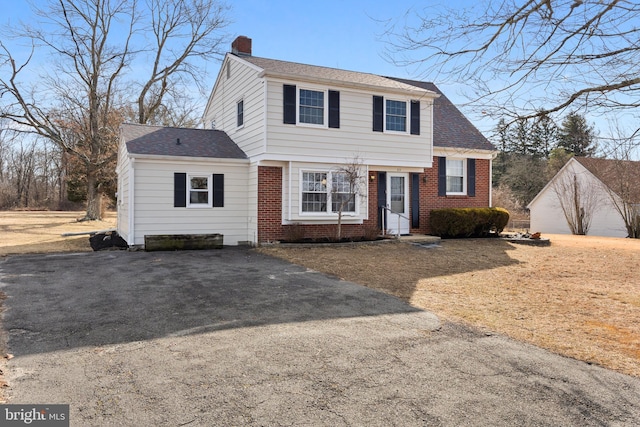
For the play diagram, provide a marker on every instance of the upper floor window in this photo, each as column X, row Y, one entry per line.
column 311, row 107
column 396, row 117
column 240, row 113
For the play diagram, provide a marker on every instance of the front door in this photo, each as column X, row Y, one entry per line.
column 398, row 203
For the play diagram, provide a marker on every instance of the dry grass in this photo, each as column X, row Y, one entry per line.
column 24, row 232
column 580, row 297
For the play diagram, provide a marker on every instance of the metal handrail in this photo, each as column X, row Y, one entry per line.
column 384, row 228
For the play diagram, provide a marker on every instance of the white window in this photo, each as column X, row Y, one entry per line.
column 311, row 108
column 455, row 176
column 240, row 113
column 199, row 187
column 318, row 197
column 396, row 115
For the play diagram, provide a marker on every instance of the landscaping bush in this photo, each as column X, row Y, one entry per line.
column 468, row 222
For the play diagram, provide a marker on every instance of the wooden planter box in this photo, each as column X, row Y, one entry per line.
column 177, row 242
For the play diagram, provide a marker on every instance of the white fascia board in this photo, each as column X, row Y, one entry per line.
column 261, row 159
column 552, row 180
column 183, row 159
column 464, row 153
column 373, row 89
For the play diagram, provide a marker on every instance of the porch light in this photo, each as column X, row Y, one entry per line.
column 372, row 177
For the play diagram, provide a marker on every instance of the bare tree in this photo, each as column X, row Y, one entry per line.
column 621, row 176
column 529, row 57
column 91, row 43
column 579, row 199
column 348, row 183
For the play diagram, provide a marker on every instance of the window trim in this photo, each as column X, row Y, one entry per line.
column 239, row 114
column 406, row 116
column 325, row 106
column 464, row 177
column 329, row 213
column 209, row 203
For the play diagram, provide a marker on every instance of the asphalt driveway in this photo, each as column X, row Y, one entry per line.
column 233, row 337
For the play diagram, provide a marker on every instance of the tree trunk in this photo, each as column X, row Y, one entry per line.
column 94, row 196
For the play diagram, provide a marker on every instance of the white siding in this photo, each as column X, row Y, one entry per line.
column 123, row 170
column 155, row 213
column 355, row 135
column 243, row 84
column 547, row 215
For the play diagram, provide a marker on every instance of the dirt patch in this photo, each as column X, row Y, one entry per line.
column 40, row 232
column 580, row 297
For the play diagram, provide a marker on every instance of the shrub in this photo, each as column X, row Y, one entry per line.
column 468, row 222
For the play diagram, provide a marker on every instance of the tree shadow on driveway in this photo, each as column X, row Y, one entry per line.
column 65, row 301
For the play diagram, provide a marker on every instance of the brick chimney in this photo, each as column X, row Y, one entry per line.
column 241, row 46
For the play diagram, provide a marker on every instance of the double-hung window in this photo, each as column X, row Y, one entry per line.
column 314, row 192
column 396, row 115
column 311, row 108
column 327, row 192
column 455, row 176
column 199, row 188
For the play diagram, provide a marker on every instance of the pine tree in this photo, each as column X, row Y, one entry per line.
column 576, row 136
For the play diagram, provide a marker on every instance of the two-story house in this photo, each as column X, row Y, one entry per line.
column 278, row 137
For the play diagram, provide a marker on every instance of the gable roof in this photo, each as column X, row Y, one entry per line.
column 451, row 129
column 620, row 176
column 286, row 69
column 163, row 141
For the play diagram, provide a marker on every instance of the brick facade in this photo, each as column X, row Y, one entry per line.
column 270, row 226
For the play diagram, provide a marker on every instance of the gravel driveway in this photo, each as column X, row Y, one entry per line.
column 233, row 337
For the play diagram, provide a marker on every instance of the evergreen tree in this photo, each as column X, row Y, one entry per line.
column 576, row 136
column 544, row 137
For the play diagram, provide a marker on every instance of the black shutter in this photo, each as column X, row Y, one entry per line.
column 289, row 104
column 334, row 109
column 218, row 190
column 471, row 177
column 378, row 113
column 415, row 200
column 382, row 198
column 179, row 190
column 415, row 117
column 442, row 176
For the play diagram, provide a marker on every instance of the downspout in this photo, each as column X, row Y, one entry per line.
column 132, row 175
column 290, row 202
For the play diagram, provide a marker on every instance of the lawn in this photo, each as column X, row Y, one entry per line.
column 580, row 297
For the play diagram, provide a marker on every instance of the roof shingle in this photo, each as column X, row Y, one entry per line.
column 163, row 141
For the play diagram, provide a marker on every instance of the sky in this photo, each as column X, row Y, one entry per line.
column 346, row 34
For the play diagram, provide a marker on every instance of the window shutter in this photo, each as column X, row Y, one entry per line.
column 334, row 109
column 378, row 112
column 289, row 104
column 179, row 190
column 218, row 190
column 415, row 200
column 415, row 117
column 471, row 177
column 442, row 176
column 382, row 198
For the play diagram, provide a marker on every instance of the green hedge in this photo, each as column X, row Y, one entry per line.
column 468, row 222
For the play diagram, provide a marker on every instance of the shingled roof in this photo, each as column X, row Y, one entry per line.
column 620, row 176
column 451, row 129
column 297, row 70
column 181, row 142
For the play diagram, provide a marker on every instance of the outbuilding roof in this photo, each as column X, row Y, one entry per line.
column 181, row 142
column 620, row 176
column 451, row 129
